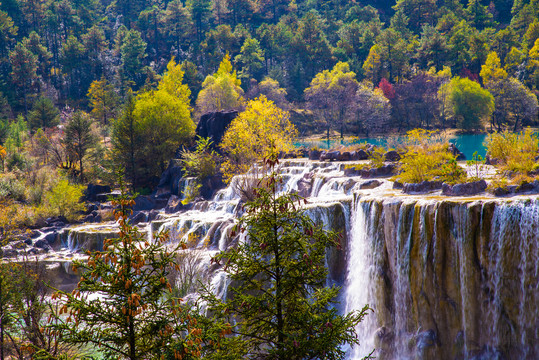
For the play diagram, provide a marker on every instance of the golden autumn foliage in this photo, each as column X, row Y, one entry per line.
column 221, row 91
column 259, row 130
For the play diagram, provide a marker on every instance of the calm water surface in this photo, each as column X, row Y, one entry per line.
column 468, row 143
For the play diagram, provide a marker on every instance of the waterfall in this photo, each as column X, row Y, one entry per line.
column 359, row 289
column 446, row 279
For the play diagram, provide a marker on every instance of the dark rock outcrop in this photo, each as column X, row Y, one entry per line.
column 330, row 155
column 456, row 152
column 92, row 191
column 210, row 186
column 149, row 202
column 528, row 188
column 305, row 185
column 370, row 184
column 382, row 171
column 524, row 188
column 314, row 154
column 42, row 244
column 138, row 217
column 174, row 205
column 352, row 171
column 213, row 125
column 422, row 187
column 170, row 180
column 466, row 189
column 392, row 156
column 359, row 155
column 397, row 185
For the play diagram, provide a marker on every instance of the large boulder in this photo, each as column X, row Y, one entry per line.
column 170, row 180
column 530, row 188
column 392, row 156
column 422, row 187
column 359, row 155
column 305, row 185
column 314, row 154
column 174, row 205
column 149, row 202
column 382, row 171
column 213, row 125
column 370, row 184
column 330, row 155
column 466, row 189
column 211, row 185
column 92, row 191
column 456, row 152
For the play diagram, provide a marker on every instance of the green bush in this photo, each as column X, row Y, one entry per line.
column 39, row 183
column 201, row 163
column 11, row 187
column 64, row 200
column 377, row 158
column 514, row 152
column 427, row 159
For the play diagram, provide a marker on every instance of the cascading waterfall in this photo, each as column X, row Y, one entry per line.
column 359, row 290
column 447, row 278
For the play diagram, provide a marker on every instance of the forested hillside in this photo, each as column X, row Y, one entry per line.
column 87, row 54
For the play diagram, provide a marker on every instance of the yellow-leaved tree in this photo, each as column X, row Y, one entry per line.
column 221, row 91
column 153, row 126
column 492, row 70
column 259, row 130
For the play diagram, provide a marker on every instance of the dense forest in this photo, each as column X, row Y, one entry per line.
column 100, row 93
column 88, row 55
column 87, row 86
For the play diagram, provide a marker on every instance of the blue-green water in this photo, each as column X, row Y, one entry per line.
column 467, row 144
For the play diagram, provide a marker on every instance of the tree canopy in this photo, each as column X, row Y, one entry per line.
column 262, row 128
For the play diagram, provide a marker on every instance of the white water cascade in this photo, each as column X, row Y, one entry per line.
column 447, row 278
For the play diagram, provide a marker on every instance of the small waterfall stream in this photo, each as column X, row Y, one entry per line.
column 447, row 278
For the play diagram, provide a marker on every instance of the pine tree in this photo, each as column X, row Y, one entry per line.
column 79, row 138
column 279, row 304
column 133, row 318
column 43, row 114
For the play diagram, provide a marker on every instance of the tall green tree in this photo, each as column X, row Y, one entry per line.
column 200, row 13
column 79, row 138
column 43, row 114
column 132, row 54
column 393, row 53
column 280, row 307
column 251, row 60
column 8, row 32
column 178, row 25
column 332, row 93
column 24, row 71
column 71, row 58
column 419, row 12
column 470, row 103
column 311, row 50
column 34, row 43
column 126, row 141
column 94, row 43
column 433, row 49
